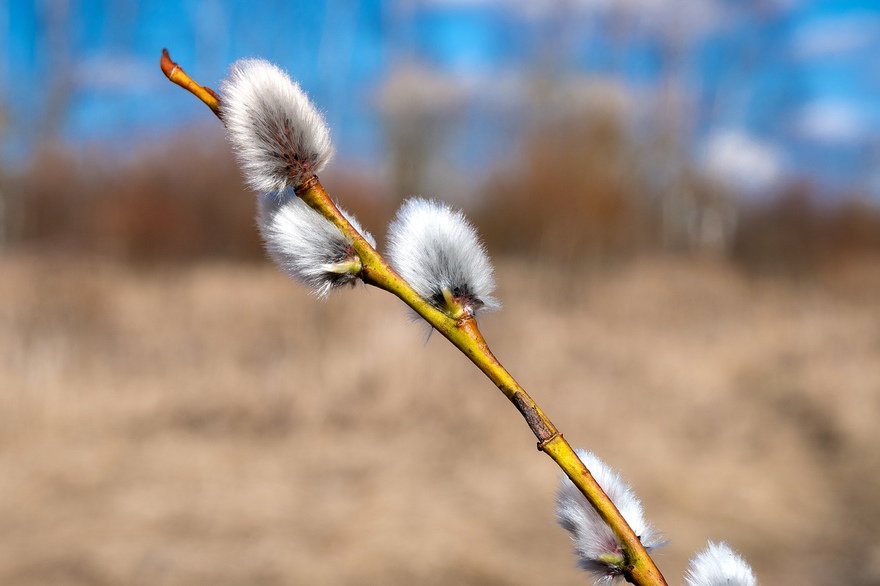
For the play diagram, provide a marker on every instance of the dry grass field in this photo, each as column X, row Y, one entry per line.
column 214, row 424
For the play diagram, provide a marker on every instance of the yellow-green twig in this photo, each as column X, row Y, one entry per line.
column 466, row 336
column 177, row 75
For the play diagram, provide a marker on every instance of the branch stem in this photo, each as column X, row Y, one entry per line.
column 177, row 75
column 466, row 336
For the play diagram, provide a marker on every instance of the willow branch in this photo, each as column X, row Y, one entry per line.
column 464, row 335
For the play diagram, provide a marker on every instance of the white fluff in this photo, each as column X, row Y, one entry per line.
column 437, row 251
column 719, row 565
column 279, row 137
column 595, row 544
column 306, row 245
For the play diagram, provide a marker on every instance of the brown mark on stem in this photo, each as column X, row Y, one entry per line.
column 533, row 418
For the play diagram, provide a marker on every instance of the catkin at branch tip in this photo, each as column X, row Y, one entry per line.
column 277, row 134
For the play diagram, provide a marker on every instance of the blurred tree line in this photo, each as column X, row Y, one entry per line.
column 579, row 191
column 585, row 181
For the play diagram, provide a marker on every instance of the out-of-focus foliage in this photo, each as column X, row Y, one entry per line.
column 577, row 194
column 183, row 201
column 796, row 234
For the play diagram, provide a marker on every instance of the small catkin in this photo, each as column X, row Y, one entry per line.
column 437, row 251
column 306, row 245
column 719, row 565
column 595, row 544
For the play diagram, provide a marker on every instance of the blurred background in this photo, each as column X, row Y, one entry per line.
column 682, row 202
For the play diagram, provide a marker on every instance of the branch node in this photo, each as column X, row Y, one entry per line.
column 543, row 443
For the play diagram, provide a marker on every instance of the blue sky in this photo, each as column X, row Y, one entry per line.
column 770, row 90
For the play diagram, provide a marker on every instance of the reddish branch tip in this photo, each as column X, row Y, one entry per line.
column 168, row 66
column 178, row 76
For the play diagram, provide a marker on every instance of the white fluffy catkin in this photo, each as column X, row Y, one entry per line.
column 279, row 137
column 597, row 548
column 306, row 245
column 437, row 251
column 719, row 565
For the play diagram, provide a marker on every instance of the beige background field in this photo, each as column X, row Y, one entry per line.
column 214, row 424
